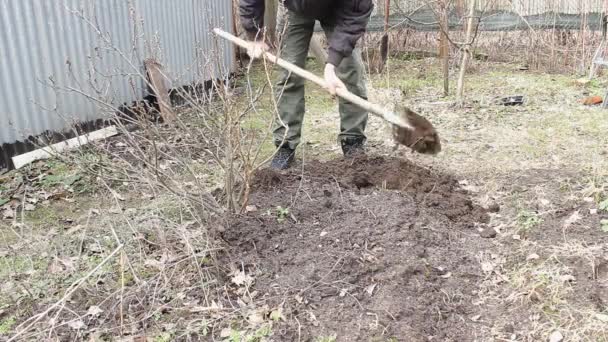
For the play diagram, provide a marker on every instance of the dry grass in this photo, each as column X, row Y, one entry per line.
column 534, row 160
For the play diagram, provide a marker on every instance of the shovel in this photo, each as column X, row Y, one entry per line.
column 409, row 128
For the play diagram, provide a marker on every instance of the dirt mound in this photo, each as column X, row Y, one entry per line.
column 366, row 249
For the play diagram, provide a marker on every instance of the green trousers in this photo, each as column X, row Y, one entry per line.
column 290, row 87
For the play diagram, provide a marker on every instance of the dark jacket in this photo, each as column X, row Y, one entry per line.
column 350, row 18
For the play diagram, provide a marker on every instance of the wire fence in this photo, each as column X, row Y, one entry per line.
column 496, row 15
column 523, row 7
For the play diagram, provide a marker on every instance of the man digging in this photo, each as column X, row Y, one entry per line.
column 344, row 22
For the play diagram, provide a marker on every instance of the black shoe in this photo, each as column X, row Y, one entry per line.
column 352, row 147
column 283, row 158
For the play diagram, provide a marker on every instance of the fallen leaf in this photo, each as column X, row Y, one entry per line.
column 29, row 207
column 487, row 266
column 154, row 263
column 94, row 212
column 198, row 309
column 240, row 278
column 226, row 332
column 94, row 311
column 277, row 315
column 76, row 325
column 556, row 336
column 299, row 299
column 567, row 278
column 256, row 317
column 8, row 214
column 370, row 289
column 251, row 208
column 516, row 237
column 475, row 318
column 592, row 100
column 593, row 211
column 323, row 234
column 94, row 248
column 533, row 256
column 342, row 293
column 137, row 339
column 73, row 229
column 55, row 267
column 572, row 219
column 446, row 276
column 114, row 210
column 602, row 317
column 118, row 196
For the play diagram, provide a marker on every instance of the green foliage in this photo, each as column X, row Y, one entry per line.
column 282, row 213
column 165, row 337
column 6, row 325
column 276, row 315
column 243, row 336
column 528, row 220
column 604, row 226
column 603, row 206
column 53, row 180
column 262, row 332
column 326, row 339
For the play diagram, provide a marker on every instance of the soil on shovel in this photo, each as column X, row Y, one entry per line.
column 363, row 250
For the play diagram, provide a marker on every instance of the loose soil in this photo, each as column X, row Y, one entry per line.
column 370, row 249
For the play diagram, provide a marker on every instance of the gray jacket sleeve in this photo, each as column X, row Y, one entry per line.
column 351, row 20
column 252, row 17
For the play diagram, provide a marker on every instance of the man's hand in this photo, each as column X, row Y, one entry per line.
column 256, row 49
column 333, row 82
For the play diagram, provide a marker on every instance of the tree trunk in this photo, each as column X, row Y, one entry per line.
column 444, row 47
column 466, row 54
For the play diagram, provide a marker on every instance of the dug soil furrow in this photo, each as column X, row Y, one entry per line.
column 364, row 249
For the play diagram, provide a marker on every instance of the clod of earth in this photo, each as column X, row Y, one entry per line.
column 488, row 233
column 387, row 223
column 423, row 139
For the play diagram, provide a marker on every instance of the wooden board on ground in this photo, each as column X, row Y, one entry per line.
column 157, row 80
column 55, row 149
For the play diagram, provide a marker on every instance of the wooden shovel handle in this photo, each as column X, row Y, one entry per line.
column 343, row 93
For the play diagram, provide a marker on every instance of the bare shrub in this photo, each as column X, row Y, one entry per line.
column 169, row 186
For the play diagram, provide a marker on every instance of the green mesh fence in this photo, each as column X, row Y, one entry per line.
column 425, row 20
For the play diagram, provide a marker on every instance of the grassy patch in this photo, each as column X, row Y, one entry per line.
column 326, row 339
column 528, row 220
column 21, row 264
column 7, row 324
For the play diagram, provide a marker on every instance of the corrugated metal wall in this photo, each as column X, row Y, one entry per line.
column 59, row 57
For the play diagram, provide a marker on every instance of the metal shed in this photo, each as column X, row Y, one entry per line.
column 59, row 58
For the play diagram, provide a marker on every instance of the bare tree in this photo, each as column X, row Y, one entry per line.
column 466, row 52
